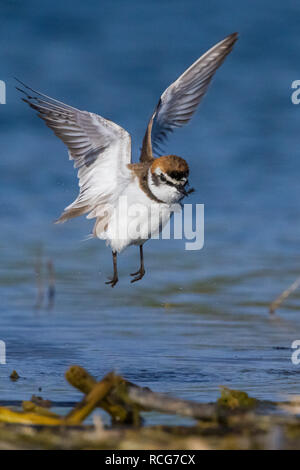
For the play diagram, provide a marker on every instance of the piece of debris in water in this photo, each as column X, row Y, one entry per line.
column 14, row 375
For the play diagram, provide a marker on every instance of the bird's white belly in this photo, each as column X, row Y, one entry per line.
column 135, row 219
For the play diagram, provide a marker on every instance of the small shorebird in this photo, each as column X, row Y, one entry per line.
column 101, row 151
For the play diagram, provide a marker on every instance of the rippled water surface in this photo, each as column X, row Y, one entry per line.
column 198, row 319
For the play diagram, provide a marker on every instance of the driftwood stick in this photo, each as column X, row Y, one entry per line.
column 115, row 406
column 152, row 401
column 91, row 400
column 79, row 378
column 285, row 294
column 31, row 407
column 127, row 395
column 30, row 418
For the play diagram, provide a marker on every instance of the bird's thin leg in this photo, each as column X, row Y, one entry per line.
column 115, row 278
column 140, row 273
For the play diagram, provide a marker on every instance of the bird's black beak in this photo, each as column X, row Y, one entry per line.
column 185, row 192
column 182, row 190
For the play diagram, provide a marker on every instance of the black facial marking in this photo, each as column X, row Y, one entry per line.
column 155, row 179
column 178, row 175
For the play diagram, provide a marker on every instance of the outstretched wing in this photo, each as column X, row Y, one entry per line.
column 101, row 151
column 179, row 101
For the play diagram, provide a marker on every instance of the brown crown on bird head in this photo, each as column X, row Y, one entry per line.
column 173, row 165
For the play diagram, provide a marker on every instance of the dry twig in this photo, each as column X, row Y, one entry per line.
column 285, row 294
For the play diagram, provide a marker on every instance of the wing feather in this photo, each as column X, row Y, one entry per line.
column 179, row 101
column 101, row 151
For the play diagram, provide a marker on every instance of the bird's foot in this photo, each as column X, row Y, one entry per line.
column 139, row 275
column 113, row 281
column 135, row 274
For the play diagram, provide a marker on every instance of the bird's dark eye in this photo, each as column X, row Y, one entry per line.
column 163, row 178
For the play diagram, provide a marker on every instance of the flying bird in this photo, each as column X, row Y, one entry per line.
column 101, row 151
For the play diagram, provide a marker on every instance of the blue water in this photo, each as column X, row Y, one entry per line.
column 198, row 319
